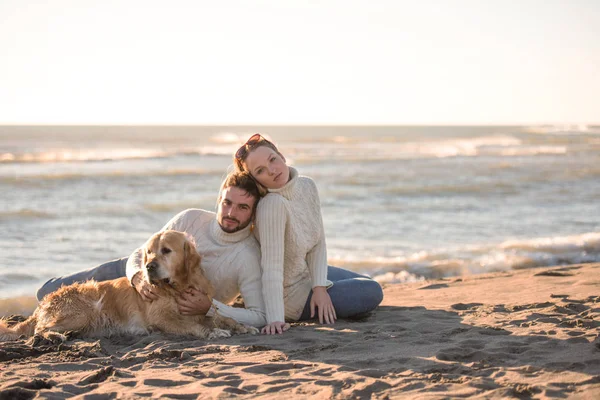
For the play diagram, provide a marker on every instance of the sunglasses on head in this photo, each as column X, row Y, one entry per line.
column 254, row 139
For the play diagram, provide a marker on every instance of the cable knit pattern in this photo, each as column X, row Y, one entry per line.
column 289, row 227
column 231, row 261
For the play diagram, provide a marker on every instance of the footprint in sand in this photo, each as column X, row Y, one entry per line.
column 270, row 369
column 165, row 382
column 435, row 286
column 463, row 306
column 553, row 273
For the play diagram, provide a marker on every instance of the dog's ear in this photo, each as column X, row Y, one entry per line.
column 145, row 254
column 150, row 244
column 196, row 276
column 191, row 257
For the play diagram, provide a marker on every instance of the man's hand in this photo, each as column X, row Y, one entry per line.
column 275, row 327
column 147, row 291
column 321, row 300
column 193, row 302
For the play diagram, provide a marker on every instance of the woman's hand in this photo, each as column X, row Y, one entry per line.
column 147, row 291
column 275, row 327
column 321, row 300
column 193, row 302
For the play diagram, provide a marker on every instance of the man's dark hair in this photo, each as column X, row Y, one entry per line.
column 244, row 181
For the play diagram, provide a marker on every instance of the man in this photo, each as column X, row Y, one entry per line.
column 230, row 257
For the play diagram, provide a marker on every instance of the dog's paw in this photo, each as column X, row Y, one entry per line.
column 55, row 337
column 71, row 335
column 241, row 329
column 47, row 338
column 219, row 333
column 34, row 341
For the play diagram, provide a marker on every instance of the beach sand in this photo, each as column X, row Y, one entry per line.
column 528, row 334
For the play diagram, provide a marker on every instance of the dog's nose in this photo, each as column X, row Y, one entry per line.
column 151, row 266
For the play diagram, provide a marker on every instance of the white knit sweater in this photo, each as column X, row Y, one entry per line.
column 231, row 261
column 289, row 227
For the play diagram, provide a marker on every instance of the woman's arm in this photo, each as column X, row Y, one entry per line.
column 317, row 261
column 271, row 220
column 317, row 256
column 317, row 264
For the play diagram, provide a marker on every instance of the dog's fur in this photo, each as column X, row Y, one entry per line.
column 170, row 262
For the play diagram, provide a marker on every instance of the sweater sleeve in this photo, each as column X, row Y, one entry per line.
column 317, row 256
column 271, row 219
column 134, row 262
column 249, row 284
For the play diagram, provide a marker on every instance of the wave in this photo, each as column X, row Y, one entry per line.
column 457, row 189
column 178, row 206
column 494, row 146
column 25, row 213
column 303, row 150
column 26, row 179
column 533, row 151
column 588, row 242
column 221, row 144
column 13, row 278
column 475, row 259
column 463, row 147
column 75, row 155
column 564, row 129
column 105, row 155
column 235, row 138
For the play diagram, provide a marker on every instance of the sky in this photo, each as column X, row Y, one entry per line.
column 300, row 62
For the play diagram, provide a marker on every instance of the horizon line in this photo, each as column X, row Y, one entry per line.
column 3, row 124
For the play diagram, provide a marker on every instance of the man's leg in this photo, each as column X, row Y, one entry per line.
column 352, row 294
column 107, row 271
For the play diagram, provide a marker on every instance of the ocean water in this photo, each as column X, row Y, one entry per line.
column 400, row 204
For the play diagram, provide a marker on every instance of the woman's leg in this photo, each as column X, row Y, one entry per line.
column 335, row 274
column 352, row 294
column 107, row 271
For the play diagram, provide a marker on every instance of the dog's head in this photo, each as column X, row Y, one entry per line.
column 170, row 258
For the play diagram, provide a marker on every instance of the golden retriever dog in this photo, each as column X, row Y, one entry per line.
column 171, row 263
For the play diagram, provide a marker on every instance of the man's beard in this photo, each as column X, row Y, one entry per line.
column 238, row 228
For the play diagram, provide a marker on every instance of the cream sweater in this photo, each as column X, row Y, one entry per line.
column 231, row 261
column 289, row 227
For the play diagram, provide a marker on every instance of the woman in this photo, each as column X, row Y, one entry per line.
column 294, row 257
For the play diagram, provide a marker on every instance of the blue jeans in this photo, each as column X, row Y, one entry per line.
column 111, row 270
column 352, row 294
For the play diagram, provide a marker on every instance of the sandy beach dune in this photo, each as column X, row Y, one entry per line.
column 527, row 334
